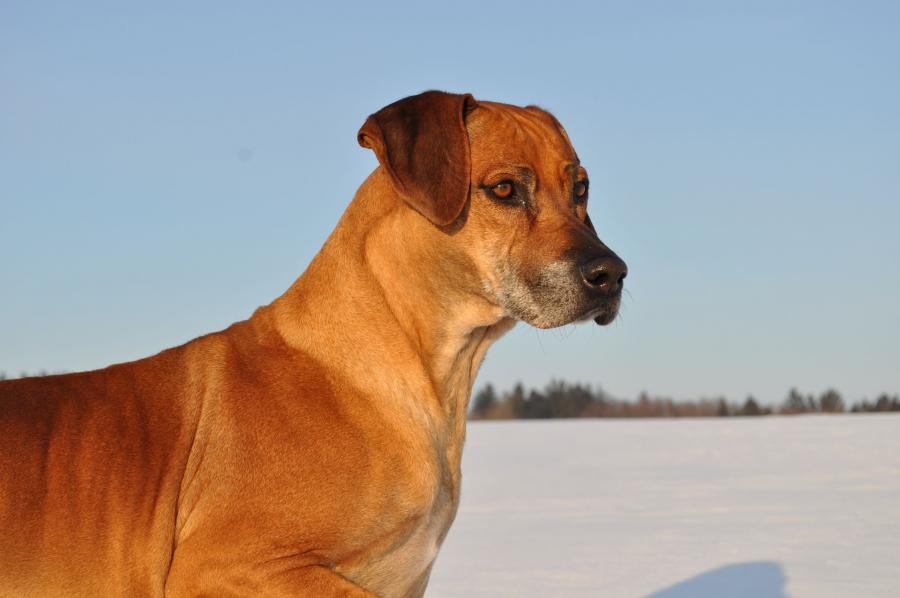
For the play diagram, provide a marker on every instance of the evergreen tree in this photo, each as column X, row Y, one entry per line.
column 722, row 409
column 883, row 403
column 516, row 400
column 485, row 402
column 794, row 403
column 751, row 407
column 831, row 401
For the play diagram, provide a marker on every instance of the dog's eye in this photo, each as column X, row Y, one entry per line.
column 502, row 190
column 581, row 189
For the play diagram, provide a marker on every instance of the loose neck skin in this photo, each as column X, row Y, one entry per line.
column 395, row 303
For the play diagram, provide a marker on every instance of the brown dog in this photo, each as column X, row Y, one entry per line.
column 314, row 449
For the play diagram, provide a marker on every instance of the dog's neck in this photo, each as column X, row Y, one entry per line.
column 402, row 319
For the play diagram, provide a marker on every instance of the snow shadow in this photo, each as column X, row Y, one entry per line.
column 762, row 579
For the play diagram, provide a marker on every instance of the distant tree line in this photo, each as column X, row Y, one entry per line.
column 564, row 400
column 39, row 373
column 560, row 399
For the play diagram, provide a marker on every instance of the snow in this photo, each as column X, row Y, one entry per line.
column 719, row 507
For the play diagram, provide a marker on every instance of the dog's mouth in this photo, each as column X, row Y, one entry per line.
column 555, row 297
column 605, row 318
column 604, row 314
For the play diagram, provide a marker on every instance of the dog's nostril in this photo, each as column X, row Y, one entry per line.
column 597, row 278
column 605, row 274
column 621, row 280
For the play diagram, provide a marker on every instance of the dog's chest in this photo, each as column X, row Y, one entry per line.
column 425, row 496
column 405, row 568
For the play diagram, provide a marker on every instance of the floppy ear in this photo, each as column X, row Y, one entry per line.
column 421, row 142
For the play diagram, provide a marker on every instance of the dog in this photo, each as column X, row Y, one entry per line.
column 314, row 449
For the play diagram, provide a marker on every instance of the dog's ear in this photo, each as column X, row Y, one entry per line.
column 422, row 144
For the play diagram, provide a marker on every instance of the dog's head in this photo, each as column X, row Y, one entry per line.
column 506, row 186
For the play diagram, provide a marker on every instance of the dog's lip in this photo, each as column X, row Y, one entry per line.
column 605, row 318
column 602, row 315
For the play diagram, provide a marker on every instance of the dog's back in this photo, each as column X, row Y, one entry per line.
column 91, row 464
column 163, row 476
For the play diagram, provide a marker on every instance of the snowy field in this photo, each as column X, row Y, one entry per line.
column 805, row 506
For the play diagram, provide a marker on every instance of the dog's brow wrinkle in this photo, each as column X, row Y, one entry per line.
column 523, row 169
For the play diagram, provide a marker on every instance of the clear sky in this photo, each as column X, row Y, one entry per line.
column 165, row 169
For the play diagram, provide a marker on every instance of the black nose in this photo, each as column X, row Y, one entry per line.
column 604, row 274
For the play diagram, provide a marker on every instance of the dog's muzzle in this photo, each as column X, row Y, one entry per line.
column 604, row 277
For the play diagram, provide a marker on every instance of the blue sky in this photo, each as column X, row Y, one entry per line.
column 165, row 169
